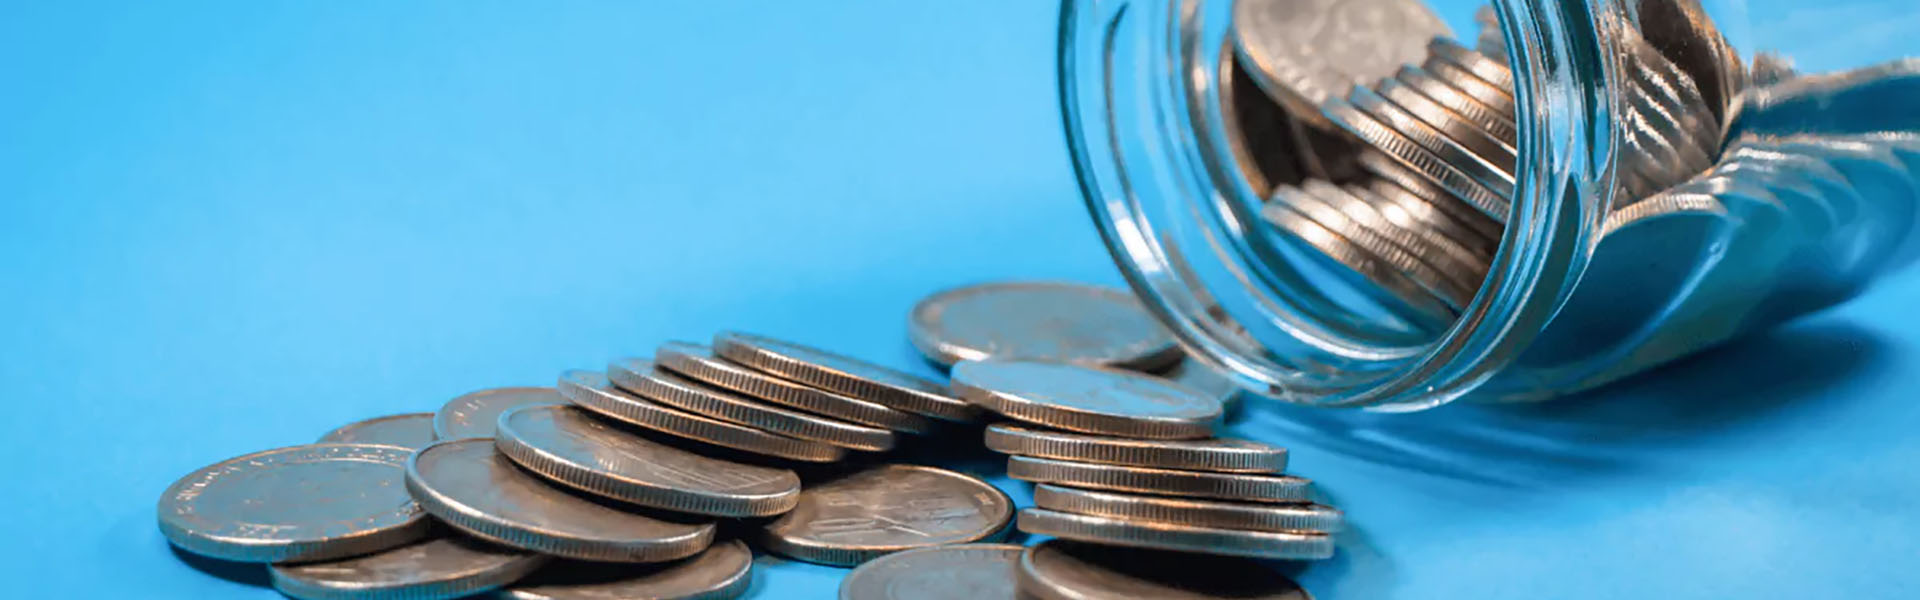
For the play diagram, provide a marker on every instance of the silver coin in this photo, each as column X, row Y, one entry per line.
column 845, row 375
column 1218, row 514
column 441, row 568
column 678, row 392
column 594, row 392
column 469, row 485
column 1449, row 123
column 1662, row 81
column 1440, row 230
column 722, row 572
column 1497, row 99
column 1495, row 177
column 1413, row 157
column 1065, row 570
column 1402, row 296
column 1088, row 399
column 1500, row 125
column 567, row 445
column 1249, row 487
column 304, row 503
column 884, row 509
column 1305, row 52
column 1460, row 268
column 1683, row 32
column 473, row 415
column 1179, row 538
column 1050, row 321
column 1433, row 280
column 952, row 572
column 1216, row 454
column 412, row 431
column 1395, row 180
column 699, row 363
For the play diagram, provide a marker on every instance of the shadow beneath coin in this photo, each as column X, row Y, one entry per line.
column 1609, row 431
column 254, row 574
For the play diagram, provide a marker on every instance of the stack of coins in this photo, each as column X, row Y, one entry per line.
column 1431, row 125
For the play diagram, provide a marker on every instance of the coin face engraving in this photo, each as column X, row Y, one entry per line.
column 411, row 431
column 316, row 501
column 474, row 414
column 887, row 508
column 1061, row 322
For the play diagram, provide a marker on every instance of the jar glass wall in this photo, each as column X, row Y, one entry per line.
column 1394, row 205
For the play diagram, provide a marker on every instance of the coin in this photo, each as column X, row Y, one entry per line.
column 440, row 568
column 1088, row 399
column 1229, row 486
column 304, row 503
column 593, row 392
column 952, row 572
column 1414, row 158
column 1178, row 538
column 699, row 363
column 1216, row 454
column 1199, row 377
column 1460, row 270
column 677, row 392
column 1496, row 99
column 567, row 445
column 722, row 572
column 845, row 375
column 1682, row 31
column 883, row 509
column 1187, row 511
column 1396, row 292
column 1304, row 52
column 470, row 486
column 1066, row 570
column 1050, row 321
column 473, row 415
column 412, row 431
column 1497, row 124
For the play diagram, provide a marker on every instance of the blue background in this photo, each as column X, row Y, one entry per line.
column 234, row 226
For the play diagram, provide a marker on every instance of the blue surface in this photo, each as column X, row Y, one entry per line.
column 234, row 226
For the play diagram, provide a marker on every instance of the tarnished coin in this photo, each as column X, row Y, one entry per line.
column 1179, row 538
column 722, row 572
column 473, row 415
column 1248, row 487
column 1186, row 511
column 883, row 509
column 470, row 486
column 1217, row 454
column 1066, row 570
column 1305, row 52
column 699, row 363
column 568, row 445
column 412, row 431
column 952, row 572
column 678, row 392
column 1088, row 399
column 594, row 392
column 441, row 568
column 845, row 375
column 1049, row 321
column 304, row 503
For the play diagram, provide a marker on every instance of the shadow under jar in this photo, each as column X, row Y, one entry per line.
column 1354, row 203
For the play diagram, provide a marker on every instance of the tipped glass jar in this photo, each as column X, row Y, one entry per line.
column 1353, row 203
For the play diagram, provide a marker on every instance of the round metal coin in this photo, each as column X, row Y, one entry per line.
column 568, row 445
column 1186, row 511
column 594, row 392
column 954, row 572
column 436, row 569
column 1178, row 538
column 722, row 572
column 1228, row 486
column 470, row 486
column 1049, row 321
column 845, row 375
column 473, row 415
column 303, row 503
column 1305, row 52
column 699, row 363
column 412, row 431
column 884, row 509
column 1215, row 454
column 1087, row 399
column 678, row 392
column 1065, row 570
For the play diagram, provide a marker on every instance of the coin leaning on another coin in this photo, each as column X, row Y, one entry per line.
column 888, row 508
column 1088, row 399
column 722, row 572
column 1250, row 487
column 303, row 503
column 845, row 375
column 1215, row 454
column 473, row 414
column 412, row 431
column 701, row 364
column 1174, row 537
column 441, row 568
column 1043, row 321
column 1217, row 514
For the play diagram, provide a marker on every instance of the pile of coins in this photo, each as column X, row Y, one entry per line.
column 628, row 482
column 1390, row 149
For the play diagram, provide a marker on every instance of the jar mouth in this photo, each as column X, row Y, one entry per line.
column 1148, row 127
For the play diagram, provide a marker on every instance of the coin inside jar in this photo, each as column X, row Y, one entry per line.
column 412, row 431
column 304, row 503
column 1049, row 321
column 952, row 572
column 1086, row 399
column 855, row 517
column 1065, row 570
column 445, row 567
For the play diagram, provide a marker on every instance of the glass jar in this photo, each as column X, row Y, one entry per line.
column 1600, row 269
